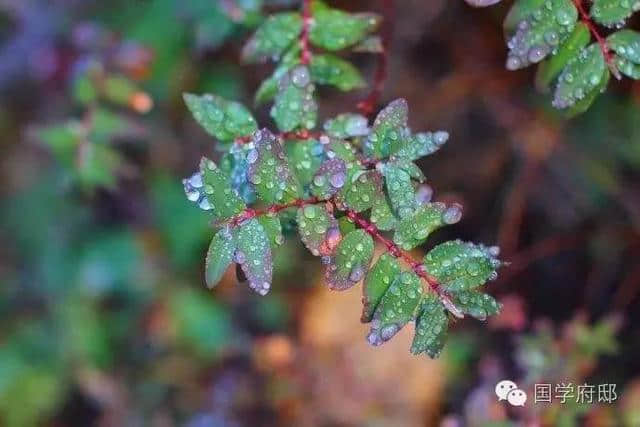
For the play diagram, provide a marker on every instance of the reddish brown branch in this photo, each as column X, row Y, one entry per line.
column 305, row 53
column 416, row 266
column 368, row 105
column 602, row 41
column 249, row 213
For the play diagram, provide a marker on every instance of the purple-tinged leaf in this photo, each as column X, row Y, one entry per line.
column 253, row 253
column 351, row 260
column 318, row 229
column 269, row 170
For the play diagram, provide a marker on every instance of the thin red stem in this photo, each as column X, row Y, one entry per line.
column 368, row 105
column 305, row 54
column 602, row 41
column 394, row 250
column 363, row 223
column 272, row 210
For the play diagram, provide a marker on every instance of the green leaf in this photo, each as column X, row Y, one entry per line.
column 400, row 190
column 269, row 170
column 329, row 178
column 351, row 260
column 542, row 31
column 389, row 132
column 363, row 189
column 273, row 228
column 461, row 266
column 476, row 304
column 210, row 190
column 219, row 256
column 333, row 29
column 628, row 68
column 414, row 230
column 431, row 327
column 275, row 35
column 306, row 156
column 226, row 120
column 382, row 215
column 318, row 229
column 253, row 253
column 582, row 105
column 397, row 307
column 327, row 69
column 626, row 43
column 583, row 74
column 346, row 125
column 422, row 144
column 378, row 280
column 549, row 69
column 612, row 13
column 294, row 105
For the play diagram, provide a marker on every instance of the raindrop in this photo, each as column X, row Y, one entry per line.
column 337, row 179
column 309, row 212
column 387, row 332
column 300, row 76
column 356, row 274
column 537, row 53
column 424, row 194
column 252, row 156
column 319, row 180
column 204, row 204
column 513, row 63
column 452, row 214
column 196, row 180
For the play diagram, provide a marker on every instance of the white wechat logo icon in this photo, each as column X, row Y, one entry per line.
column 509, row 391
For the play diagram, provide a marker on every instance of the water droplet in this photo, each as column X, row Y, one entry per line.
column 452, row 214
column 300, row 76
column 252, row 156
column 387, row 332
column 204, row 204
column 356, row 274
column 513, row 63
column 337, row 179
column 319, row 180
column 309, row 212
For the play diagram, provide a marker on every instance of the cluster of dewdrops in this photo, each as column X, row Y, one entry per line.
column 521, row 53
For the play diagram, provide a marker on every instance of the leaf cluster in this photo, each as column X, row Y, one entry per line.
column 340, row 187
column 565, row 39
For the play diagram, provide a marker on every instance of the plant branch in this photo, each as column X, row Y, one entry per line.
column 249, row 213
column 303, row 134
column 305, row 53
column 368, row 105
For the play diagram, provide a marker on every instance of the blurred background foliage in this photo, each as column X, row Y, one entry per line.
column 105, row 317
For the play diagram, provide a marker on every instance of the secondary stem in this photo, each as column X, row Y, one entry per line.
column 602, row 41
column 305, row 54
column 367, row 106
